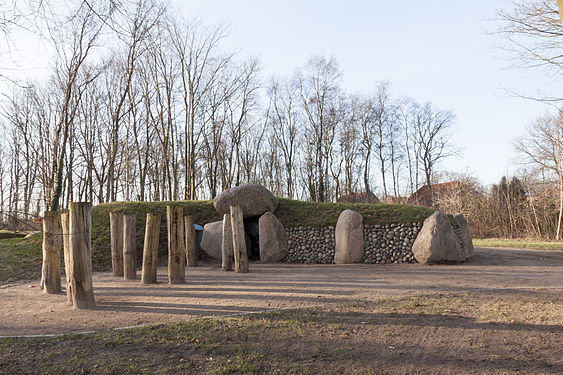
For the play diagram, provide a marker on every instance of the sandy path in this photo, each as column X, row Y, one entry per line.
column 25, row 310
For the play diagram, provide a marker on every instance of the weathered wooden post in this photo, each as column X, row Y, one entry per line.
column 52, row 240
column 129, row 247
column 80, row 239
column 227, row 244
column 189, row 230
column 176, row 247
column 66, row 254
column 150, row 249
column 116, row 230
column 239, row 245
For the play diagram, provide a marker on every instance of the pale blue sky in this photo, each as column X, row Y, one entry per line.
column 439, row 51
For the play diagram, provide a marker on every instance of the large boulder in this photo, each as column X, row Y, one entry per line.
column 273, row 239
column 255, row 200
column 437, row 241
column 349, row 235
column 212, row 240
column 466, row 232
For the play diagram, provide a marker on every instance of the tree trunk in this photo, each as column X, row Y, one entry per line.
column 52, row 238
column 239, row 245
column 66, row 252
column 191, row 257
column 227, row 245
column 176, row 247
column 116, row 229
column 129, row 247
column 150, row 249
column 80, row 229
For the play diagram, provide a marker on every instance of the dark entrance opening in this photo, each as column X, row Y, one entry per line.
column 251, row 230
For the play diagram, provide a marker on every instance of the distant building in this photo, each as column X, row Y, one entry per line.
column 422, row 196
column 365, row 197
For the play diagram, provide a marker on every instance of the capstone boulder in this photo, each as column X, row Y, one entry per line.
column 255, row 200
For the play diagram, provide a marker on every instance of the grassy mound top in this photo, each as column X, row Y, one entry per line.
column 294, row 213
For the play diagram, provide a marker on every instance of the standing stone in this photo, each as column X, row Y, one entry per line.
column 254, row 200
column 273, row 239
column 52, row 241
column 437, row 241
column 467, row 238
column 349, row 235
column 212, row 239
column 116, row 231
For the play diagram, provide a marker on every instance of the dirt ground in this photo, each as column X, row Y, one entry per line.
column 25, row 310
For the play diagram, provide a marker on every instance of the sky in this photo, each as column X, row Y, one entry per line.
column 444, row 52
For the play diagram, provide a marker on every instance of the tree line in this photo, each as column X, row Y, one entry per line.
column 144, row 105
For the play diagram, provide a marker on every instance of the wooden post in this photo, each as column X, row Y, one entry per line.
column 189, row 230
column 80, row 229
column 52, row 240
column 116, row 229
column 227, row 245
column 239, row 245
column 66, row 254
column 150, row 249
column 176, row 248
column 129, row 247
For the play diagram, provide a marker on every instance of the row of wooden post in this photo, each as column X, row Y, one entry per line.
column 233, row 247
column 73, row 229
column 181, row 245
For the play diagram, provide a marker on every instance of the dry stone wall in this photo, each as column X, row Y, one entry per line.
column 382, row 244
column 310, row 245
column 390, row 243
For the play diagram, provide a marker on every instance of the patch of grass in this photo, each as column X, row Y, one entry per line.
column 517, row 243
column 429, row 334
column 20, row 259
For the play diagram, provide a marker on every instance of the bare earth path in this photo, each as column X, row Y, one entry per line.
column 25, row 310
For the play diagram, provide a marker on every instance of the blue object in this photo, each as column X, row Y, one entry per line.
column 197, row 239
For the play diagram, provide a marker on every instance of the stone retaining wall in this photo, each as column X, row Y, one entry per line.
column 390, row 243
column 310, row 245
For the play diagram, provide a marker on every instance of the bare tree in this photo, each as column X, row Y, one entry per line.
column 133, row 30
column 318, row 84
column 432, row 138
column 75, row 43
column 535, row 32
column 284, row 118
column 542, row 148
